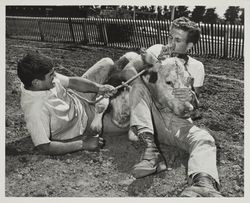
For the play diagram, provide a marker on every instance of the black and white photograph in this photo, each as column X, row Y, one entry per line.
column 142, row 100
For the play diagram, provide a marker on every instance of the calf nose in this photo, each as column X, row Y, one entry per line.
column 171, row 47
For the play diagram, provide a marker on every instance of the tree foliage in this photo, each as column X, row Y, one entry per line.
column 210, row 16
column 242, row 16
column 181, row 11
column 198, row 13
column 232, row 14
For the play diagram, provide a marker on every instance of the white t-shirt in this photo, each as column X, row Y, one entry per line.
column 53, row 114
column 194, row 67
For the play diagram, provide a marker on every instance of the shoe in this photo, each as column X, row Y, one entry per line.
column 151, row 160
column 203, row 185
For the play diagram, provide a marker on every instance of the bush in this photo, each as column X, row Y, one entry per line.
column 119, row 33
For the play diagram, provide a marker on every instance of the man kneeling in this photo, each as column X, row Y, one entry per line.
column 57, row 119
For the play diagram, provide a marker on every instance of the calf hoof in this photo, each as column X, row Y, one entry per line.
column 189, row 106
column 101, row 106
column 132, row 136
column 96, row 125
column 121, row 110
column 96, row 129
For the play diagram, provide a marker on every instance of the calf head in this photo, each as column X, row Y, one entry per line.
column 163, row 77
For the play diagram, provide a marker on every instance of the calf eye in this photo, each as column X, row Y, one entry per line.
column 169, row 83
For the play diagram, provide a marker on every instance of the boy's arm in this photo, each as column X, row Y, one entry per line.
column 59, row 148
column 84, row 85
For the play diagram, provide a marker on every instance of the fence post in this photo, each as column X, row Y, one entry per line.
column 7, row 28
column 85, row 36
column 40, row 30
column 225, row 41
column 104, row 33
column 71, row 30
column 158, row 40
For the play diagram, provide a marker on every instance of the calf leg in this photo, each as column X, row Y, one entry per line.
column 100, row 108
column 132, row 136
column 99, row 73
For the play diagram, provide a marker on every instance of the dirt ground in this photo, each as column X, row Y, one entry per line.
column 108, row 173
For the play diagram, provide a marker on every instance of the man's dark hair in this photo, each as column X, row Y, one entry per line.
column 33, row 66
column 191, row 27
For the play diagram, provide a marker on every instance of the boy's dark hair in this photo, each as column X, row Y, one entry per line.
column 191, row 27
column 33, row 66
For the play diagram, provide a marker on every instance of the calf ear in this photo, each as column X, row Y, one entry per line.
column 153, row 77
column 153, row 72
column 145, row 78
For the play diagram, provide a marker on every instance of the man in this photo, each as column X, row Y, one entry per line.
column 152, row 124
column 58, row 120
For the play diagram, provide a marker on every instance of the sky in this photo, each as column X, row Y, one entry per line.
column 220, row 10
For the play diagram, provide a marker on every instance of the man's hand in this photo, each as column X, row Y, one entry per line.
column 166, row 52
column 186, row 95
column 107, row 90
column 183, row 94
column 148, row 59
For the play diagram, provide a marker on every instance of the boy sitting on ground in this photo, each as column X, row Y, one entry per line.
column 57, row 119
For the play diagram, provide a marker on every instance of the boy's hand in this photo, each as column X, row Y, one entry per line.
column 92, row 143
column 107, row 90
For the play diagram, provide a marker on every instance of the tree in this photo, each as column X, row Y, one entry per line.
column 131, row 8
column 124, row 7
column 210, row 16
column 242, row 16
column 166, row 13
column 181, row 11
column 152, row 9
column 198, row 13
column 144, row 8
column 103, row 7
column 136, row 8
column 232, row 14
column 159, row 12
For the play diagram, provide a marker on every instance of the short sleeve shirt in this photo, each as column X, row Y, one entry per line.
column 53, row 114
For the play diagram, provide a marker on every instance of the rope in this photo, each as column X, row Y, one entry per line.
column 124, row 84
